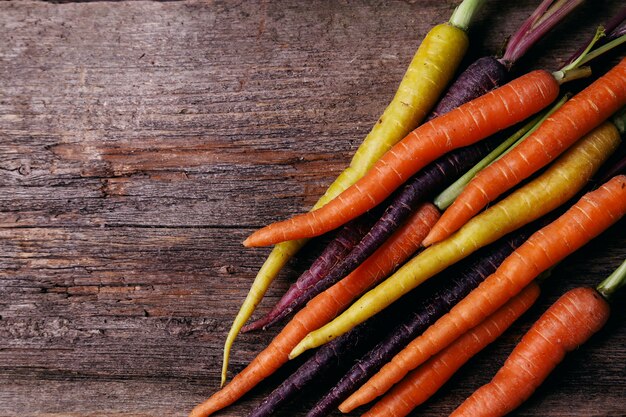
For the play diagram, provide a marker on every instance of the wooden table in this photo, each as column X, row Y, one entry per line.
column 140, row 142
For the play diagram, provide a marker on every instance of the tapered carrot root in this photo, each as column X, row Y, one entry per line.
column 574, row 119
column 591, row 215
column 323, row 308
column 463, row 126
column 422, row 383
column 568, row 323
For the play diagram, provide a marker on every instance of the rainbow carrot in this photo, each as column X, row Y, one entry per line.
column 431, row 69
column 590, row 216
column 422, row 383
column 463, row 126
column 479, row 78
column 567, row 324
column 558, row 184
column 324, row 307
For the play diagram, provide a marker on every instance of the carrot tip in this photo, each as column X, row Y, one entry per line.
column 346, row 406
column 248, row 243
column 428, row 240
column 297, row 350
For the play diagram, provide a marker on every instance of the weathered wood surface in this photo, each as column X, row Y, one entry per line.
column 140, row 142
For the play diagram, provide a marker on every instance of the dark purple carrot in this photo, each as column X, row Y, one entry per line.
column 422, row 185
column 326, row 360
column 335, row 251
column 480, row 77
column 488, row 73
column 463, row 279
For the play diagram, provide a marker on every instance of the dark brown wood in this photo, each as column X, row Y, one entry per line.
column 141, row 142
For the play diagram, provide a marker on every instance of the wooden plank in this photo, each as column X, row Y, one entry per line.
column 141, row 142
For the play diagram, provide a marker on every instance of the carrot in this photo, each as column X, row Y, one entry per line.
column 487, row 73
column 333, row 355
column 422, row 383
column 458, row 280
column 447, row 196
column 569, row 123
column 558, row 184
column 432, row 178
column 324, row 307
column 591, row 215
column 338, row 248
column 463, row 126
column 568, row 323
column 431, row 69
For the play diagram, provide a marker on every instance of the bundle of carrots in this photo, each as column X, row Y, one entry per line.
column 572, row 139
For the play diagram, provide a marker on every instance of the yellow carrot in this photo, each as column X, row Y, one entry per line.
column 558, row 184
column 431, row 69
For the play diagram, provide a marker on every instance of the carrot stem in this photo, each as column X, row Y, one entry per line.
column 577, row 62
column 447, row 197
column 613, row 282
column 563, row 77
column 464, row 13
column 604, row 48
column 538, row 24
column 614, row 27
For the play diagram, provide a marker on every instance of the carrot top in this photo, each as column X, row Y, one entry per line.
column 613, row 282
column 543, row 19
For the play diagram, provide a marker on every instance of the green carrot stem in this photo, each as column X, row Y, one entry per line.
column 604, row 48
column 464, row 13
column 570, row 75
column 447, row 196
column 614, row 282
column 576, row 63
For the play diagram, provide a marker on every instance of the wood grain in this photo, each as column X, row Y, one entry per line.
column 141, row 142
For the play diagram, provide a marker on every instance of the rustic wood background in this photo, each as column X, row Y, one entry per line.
column 140, row 142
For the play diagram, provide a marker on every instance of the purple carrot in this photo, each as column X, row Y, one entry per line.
column 425, row 183
column 327, row 358
column 480, row 77
column 463, row 280
column 487, row 73
column 335, row 251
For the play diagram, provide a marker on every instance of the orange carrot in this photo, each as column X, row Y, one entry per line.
column 324, row 307
column 422, row 383
column 463, row 126
column 591, row 215
column 574, row 119
column 568, row 323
